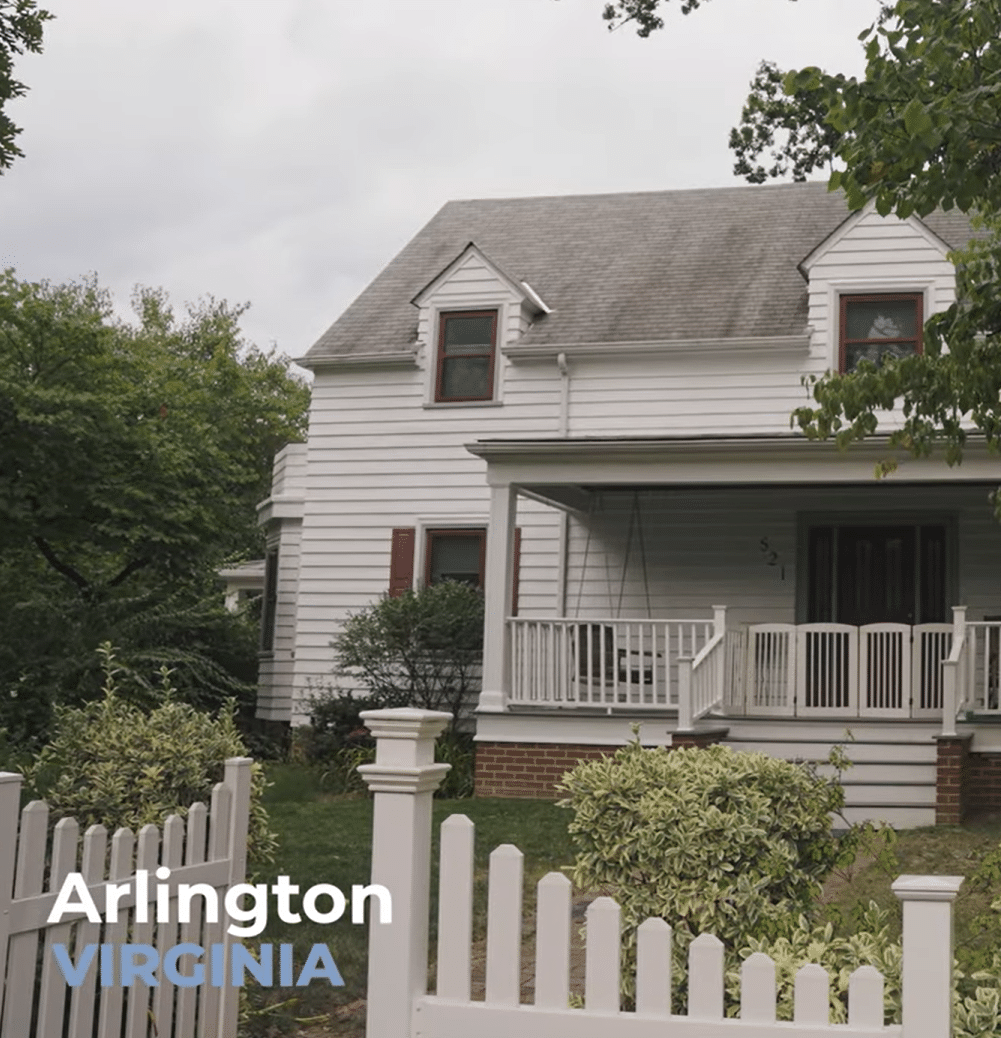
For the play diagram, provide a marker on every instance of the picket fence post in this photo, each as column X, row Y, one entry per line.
column 237, row 778
column 403, row 779
column 926, row 981
column 10, row 800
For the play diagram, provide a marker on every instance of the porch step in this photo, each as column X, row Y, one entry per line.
column 894, row 765
column 883, row 773
column 898, row 817
column 857, row 752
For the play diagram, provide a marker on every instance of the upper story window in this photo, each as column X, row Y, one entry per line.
column 466, row 348
column 877, row 326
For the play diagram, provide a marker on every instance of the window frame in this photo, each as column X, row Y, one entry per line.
column 844, row 298
column 431, row 532
column 443, row 317
column 269, row 603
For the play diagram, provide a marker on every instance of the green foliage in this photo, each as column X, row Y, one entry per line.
column 115, row 763
column 336, row 742
column 733, row 844
column 420, row 649
column 805, row 141
column 869, row 944
column 131, row 459
column 21, row 25
column 643, row 13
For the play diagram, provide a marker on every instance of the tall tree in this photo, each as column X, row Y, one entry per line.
column 921, row 130
column 131, row 458
column 21, row 23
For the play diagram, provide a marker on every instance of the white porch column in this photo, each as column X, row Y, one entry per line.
column 926, row 980
column 403, row 779
column 497, row 593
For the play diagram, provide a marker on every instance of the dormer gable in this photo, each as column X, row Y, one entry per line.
column 475, row 262
column 468, row 312
column 871, row 284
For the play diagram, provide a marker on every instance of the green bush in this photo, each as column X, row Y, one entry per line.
column 422, row 648
column 117, row 764
column 336, row 741
column 870, row 944
column 733, row 844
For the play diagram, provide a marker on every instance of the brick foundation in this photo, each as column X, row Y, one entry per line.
column 528, row 769
column 532, row 769
column 982, row 789
column 951, row 779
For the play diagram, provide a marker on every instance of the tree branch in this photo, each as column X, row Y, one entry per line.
column 72, row 575
column 127, row 571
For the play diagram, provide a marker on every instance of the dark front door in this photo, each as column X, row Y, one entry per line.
column 877, row 574
column 875, row 578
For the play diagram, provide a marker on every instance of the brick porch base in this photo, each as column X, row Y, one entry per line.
column 532, row 769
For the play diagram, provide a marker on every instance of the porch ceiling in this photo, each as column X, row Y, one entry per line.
column 566, row 471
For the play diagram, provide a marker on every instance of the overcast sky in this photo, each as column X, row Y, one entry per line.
column 280, row 152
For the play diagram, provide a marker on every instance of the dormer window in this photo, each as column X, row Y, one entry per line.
column 874, row 327
column 466, row 347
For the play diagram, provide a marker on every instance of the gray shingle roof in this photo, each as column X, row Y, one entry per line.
column 661, row 265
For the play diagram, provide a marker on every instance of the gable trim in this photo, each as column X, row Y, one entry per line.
column 521, row 289
column 846, row 226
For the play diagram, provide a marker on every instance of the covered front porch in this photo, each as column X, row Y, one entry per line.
column 745, row 577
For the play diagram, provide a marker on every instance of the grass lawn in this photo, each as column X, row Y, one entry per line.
column 326, row 839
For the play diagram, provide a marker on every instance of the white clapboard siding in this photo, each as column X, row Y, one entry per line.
column 198, row 849
column 361, row 488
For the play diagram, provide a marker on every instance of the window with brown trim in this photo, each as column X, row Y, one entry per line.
column 874, row 327
column 455, row 555
column 466, row 348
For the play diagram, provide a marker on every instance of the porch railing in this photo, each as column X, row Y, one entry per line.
column 878, row 670
column 701, row 681
column 983, row 642
column 572, row 663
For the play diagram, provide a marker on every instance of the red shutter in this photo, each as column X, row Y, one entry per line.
column 401, row 561
column 516, row 571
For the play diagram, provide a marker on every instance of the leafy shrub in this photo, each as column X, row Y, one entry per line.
column 976, row 1013
column 117, row 764
column 733, row 844
column 336, row 741
column 869, row 944
column 422, row 648
column 334, row 724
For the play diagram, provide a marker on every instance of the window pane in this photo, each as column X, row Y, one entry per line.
column 894, row 319
column 875, row 352
column 455, row 557
column 465, row 331
column 465, row 378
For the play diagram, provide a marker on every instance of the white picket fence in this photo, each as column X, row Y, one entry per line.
column 209, row 846
column 403, row 779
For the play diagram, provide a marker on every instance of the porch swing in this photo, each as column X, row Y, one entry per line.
column 603, row 654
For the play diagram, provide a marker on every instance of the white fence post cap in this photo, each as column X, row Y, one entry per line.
column 927, row 888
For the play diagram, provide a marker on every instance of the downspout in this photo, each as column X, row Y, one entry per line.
column 562, row 431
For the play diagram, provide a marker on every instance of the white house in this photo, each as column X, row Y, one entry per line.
column 582, row 404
